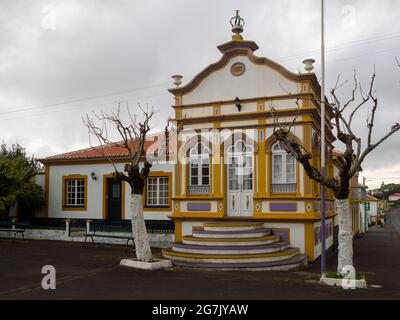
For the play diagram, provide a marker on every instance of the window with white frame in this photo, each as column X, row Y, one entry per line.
column 75, row 192
column 157, row 191
column 283, row 169
column 199, row 165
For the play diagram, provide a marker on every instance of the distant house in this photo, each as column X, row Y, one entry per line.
column 394, row 197
column 371, row 208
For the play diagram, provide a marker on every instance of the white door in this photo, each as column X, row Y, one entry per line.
column 240, row 185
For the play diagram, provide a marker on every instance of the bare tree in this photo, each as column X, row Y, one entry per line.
column 133, row 136
column 352, row 158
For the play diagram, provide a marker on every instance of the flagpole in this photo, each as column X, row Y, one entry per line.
column 323, row 261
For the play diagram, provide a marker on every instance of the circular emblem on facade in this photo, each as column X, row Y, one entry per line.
column 258, row 206
column 238, row 69
column 308, row 207
column 176, row 206
column 220, row 206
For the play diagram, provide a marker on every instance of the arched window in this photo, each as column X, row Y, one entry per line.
column 283, row 170
column 199, row 169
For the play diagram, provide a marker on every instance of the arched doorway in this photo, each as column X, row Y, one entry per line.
column 239, row 173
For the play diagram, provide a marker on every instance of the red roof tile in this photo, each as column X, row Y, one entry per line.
column 336, row 153
column 371, row 198
column 151, row 145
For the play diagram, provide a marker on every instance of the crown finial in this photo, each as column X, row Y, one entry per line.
column 237, row 24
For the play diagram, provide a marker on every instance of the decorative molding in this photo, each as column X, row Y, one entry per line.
column 199, row 206
column 283, row 206
column 237, row 69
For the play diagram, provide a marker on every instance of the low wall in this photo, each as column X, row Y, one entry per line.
column 157, row 240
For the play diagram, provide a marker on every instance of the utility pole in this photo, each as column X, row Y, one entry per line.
column 323, row 209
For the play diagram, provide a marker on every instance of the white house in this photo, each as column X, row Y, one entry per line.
column 79, row 185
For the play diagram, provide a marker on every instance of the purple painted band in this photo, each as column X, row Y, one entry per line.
column 283, row 206
column 199, row 206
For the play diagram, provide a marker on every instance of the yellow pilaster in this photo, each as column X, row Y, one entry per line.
column 309, row 240
column 178, row 230
column 216, row 158
column 261, row 162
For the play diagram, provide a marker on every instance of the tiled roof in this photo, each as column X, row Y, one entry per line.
column 336, row 153
column 151, row 145
column 371, row 198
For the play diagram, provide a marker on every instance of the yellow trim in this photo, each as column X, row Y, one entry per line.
column 262, row 166
column 297, row 217
column 198, row 214
column 233, row 224
column 304, row 96
column 215, row 161
column 105, row 192
column 309, row 240
column 237, row 37
column 64, row 206
column 289, row 216
column 46, row 190
column 191, row 238
column 230, row 256
column 227, row 117
column 155, row 208
column 178, row 230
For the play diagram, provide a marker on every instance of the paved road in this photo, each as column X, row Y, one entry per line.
column 94, row 273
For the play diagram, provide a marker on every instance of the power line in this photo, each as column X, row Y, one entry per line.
column 390, row 178
column 363, row 55
column 85, row 107
column 82, row 99
column 343, row 46
column 287, row 58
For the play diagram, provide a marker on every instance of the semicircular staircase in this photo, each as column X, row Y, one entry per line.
column 234, row 246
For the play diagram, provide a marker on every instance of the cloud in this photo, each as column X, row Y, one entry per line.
column 54, row 51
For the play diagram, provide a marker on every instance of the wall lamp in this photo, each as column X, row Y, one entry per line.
column 238, row 105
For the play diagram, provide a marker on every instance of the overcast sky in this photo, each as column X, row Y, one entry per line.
column 56, row 57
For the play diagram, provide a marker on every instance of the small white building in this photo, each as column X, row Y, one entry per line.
column 80, row 185
column 394, row 197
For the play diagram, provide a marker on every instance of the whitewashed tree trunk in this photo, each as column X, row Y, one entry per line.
column 139, row 231
column 345, row 256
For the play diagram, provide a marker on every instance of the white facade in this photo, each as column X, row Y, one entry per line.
column 256, row 81
column 95, row 193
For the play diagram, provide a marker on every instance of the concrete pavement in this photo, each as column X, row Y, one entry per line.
column 94, row 273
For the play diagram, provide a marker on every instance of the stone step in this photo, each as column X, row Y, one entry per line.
column 282, row 265
column 229, row 258
column 233, row 226
column 230, row 250
column 199, row 232
column 230, row 241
